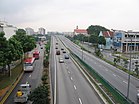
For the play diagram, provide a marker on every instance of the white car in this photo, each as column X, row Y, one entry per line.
column 61, row 60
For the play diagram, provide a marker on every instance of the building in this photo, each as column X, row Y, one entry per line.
column 29, row 31
column 9, row 30
column 117, row 39
column 68, row 34
column 108, row 35
column 41, row 31
column 130, row 40
column 80, row 31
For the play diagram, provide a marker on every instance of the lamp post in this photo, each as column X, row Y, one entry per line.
column 82, row 47
column 129, row 70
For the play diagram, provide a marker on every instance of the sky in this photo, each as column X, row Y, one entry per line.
column 65, row 15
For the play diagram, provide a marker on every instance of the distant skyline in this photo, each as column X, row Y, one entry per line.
column 65, row 15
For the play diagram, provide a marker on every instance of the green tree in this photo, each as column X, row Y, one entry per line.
column 27, row 42
column 40, row 95
column 3, row 49
column 14, row 52
column 93, row 39
column 101, row 40
column 95, row 29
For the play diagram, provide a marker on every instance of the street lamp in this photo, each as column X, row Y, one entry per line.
column 82, row 47
column 129, row 69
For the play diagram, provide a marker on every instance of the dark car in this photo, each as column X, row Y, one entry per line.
column 41, row 47
column 64, row 51
column 56, row 48
column 58, row 52
column 62, row 48
column 66, row 56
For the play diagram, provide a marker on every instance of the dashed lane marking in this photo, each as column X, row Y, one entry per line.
column 75, row 87
column 80, row 101
column 125, row 82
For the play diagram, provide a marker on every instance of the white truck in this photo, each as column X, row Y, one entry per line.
column 138, row 96
column 22, row 93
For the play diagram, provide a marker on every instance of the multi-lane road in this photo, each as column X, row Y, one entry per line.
column 33, row 78
column 72, row 87
column 116, row 77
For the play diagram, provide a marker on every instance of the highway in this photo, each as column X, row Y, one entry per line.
column 116, row 77
column 33, row 78
column 72, row 87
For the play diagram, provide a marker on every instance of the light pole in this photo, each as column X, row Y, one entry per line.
column 82, row 47
column 129, row 70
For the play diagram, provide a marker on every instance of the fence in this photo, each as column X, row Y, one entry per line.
column 117, row 96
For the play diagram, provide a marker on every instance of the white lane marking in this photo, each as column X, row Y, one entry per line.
column 75, row 87
column 125, row 82
column 114, row 75
column 30, row 75
column 71, row 78
column 80, row 101
column 69, row 72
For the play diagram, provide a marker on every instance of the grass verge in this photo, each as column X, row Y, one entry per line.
column 6, row 81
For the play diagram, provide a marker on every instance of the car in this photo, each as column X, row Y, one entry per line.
column 58, row 52
column 66, row 56
column 61, row 60
column 56, row 43
column 64, row 51
column 62, row 48
column 41, row 47
column 56, row 48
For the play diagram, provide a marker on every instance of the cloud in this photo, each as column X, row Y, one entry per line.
column 66, row 14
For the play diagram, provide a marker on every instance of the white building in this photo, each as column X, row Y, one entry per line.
column 68, row 34
column 41, row 31
column 130, row 40
column 9, row 30
column 29, row 31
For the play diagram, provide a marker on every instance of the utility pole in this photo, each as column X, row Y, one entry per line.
column 128, row 87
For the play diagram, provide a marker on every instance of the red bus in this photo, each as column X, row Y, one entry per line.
column 29, row 64
column 36, row 54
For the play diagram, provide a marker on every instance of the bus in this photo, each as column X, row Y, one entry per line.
column 29, row 64
column 36, row 54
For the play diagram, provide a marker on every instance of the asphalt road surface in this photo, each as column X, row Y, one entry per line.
column 116, row 77
column 33, row 78
column 72, row 87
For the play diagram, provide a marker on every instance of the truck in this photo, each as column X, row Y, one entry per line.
column 36, row 54
column 138, row 96
column 23, row 93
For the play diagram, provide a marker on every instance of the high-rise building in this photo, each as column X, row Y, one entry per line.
column 29, row 31
column 9, row 30
column 41, row 31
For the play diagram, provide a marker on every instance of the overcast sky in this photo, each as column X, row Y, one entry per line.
column 65, row 15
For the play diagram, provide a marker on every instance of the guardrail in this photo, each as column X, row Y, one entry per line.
column 115, row 95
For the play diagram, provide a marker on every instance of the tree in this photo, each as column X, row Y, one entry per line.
column 101, row 40
column 93, row 39
column 27, row 42
column 3, row 50
column 95, row 29
column 14, row 52
column 40, row 95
